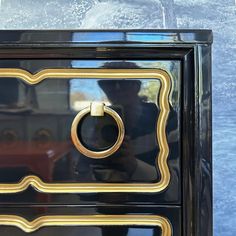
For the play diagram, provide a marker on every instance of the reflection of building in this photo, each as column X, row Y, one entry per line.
column 35, row 127
column 36, row 112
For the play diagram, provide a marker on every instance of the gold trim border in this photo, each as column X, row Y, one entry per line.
column 158, row 74
column 87, row 220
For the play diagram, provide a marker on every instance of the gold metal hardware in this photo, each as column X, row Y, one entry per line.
column 97, row 109
column 162, row 156
column 87, row 220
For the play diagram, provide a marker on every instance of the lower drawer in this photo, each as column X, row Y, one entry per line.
column 91, row 221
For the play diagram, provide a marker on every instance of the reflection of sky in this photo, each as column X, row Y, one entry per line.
column 99, row 36
column 150, row 37
column 87, row 87
column 140, row 63
column 87, row 64
column 120, row 36
column 90, row 89
column 140, row 232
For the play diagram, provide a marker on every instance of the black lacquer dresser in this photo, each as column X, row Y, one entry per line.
column 105, row 133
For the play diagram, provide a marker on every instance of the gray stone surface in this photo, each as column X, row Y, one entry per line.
column 218, row 15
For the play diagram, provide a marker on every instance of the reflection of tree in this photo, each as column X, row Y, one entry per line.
column 149, row 91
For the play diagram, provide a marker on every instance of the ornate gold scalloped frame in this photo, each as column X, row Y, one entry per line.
column 158, row 74
column 87, row 220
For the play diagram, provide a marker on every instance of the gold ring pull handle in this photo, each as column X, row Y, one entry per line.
column 97, row 109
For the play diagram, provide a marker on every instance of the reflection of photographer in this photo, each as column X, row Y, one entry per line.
column 135, row 160
column 139, row 118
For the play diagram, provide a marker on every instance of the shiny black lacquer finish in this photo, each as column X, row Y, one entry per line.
column 35, row 122
column 173, row 214
column 42, row 131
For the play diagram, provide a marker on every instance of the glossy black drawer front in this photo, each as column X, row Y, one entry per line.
column 105, row 132
column 40, row 106
column 104, row 221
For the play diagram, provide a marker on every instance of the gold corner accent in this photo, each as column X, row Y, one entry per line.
column 87, row 220
column 97, row 154
column 162, row 157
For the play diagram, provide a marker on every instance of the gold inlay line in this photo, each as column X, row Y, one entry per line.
column 162, row 157
column 87, row 220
